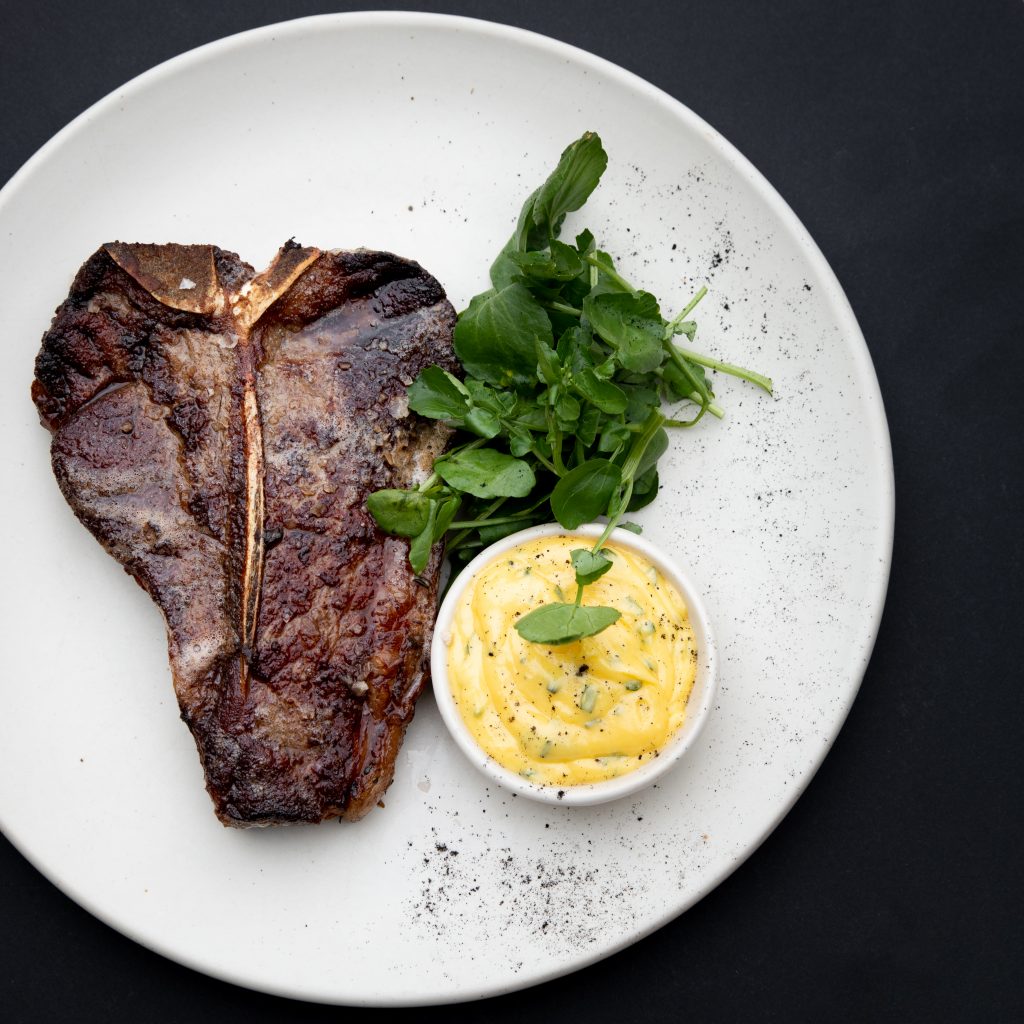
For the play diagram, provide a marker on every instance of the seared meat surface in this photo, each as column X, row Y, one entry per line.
column 218, row 431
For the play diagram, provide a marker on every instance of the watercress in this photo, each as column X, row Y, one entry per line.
column 566, row 370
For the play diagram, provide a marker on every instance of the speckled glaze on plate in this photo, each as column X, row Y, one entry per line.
column 398, row 131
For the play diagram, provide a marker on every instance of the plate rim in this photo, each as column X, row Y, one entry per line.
column 835, row 298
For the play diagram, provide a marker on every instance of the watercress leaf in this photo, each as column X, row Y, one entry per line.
column 605, row 395
column 519, row 442
column 558, row 623
column 549, row 368
column 645, row 490
column 566, row 261
column 676, row 381
column 534, row 265
column 528, row 233
column 587, row 425
column 482, row 422
column 632, row 527
column 567, row 409
column 642, row 401
column 495, row 338
column 419, row 548
column 632, row 325
column 585, row 242
column 656, row 447
column 687, row 327
column 486, row 473
column 567, row 188
column 531, row 417
column 560, row 320
column 504, row 270
column 445, row 515
column 701, row 374
column 542, row 446
column 437, row 394
column 614, row 436
column 568, row 342
column 629, row 377
column 574, row 348
column 589, row 565
column 573, row 292
column 551, row 267
column 679, row 384
column 400, row 513
column 584, row 492
column 485, row 397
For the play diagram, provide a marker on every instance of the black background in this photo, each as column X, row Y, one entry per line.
column 892, row 891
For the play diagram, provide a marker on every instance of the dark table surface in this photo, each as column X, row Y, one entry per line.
column 893, row 889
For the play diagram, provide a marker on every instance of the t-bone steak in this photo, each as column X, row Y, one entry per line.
column 218, row 431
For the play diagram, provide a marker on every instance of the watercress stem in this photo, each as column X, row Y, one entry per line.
column 705, row 399
column 556, row 443
column 736, row 371
column 715, row 410
column 461, row 536
column 611, row 274
column 654, row 422
column 467, row 447
column 613, row 520
column 546, row 463
column 690, row 307
column 561, row 307
column 651, row 426
column 472, row 524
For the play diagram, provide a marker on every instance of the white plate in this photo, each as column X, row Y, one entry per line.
column 421, row 134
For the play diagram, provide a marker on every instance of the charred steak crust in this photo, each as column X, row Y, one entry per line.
column 218, row 431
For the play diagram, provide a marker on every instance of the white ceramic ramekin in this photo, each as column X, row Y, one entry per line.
column 698, row 706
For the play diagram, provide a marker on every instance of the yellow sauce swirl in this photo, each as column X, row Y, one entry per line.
column 581, row 712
